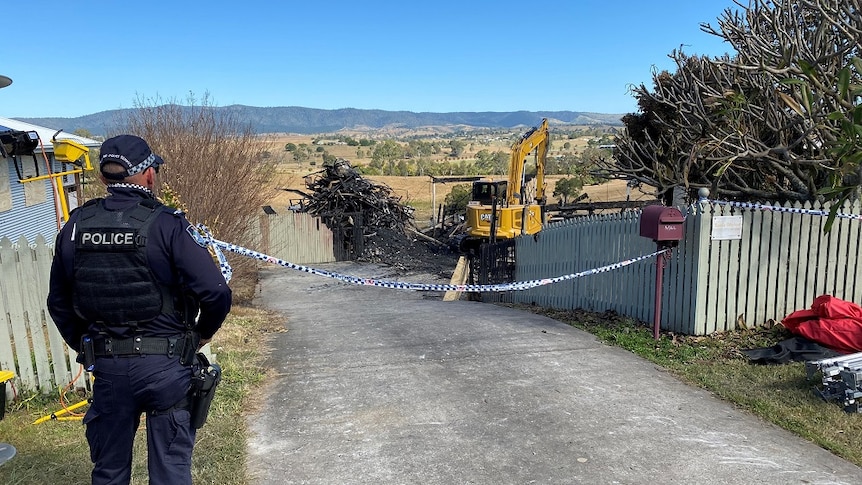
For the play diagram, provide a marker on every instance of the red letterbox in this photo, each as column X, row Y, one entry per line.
column 661, row 223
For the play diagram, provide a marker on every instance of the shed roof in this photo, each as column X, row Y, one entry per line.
column 46, row 134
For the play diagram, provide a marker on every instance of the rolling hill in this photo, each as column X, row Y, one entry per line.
column 293, row 119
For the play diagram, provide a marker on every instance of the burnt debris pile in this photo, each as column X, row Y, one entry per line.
column 372, row 224
column 341, row 196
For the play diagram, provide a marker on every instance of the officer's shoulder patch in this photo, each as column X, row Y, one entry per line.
column 196, row 236
column 172, row 211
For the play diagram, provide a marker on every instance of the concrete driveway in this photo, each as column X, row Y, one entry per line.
column 381, row 386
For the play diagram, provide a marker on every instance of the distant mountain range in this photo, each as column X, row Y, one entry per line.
column 292, row 119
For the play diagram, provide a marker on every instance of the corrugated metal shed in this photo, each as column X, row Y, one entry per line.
column 45, row 134
column 24, row 220
column 28, row 215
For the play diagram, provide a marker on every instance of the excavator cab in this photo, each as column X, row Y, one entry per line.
column 484, row 192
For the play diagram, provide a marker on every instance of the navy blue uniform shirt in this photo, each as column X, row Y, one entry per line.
column 172, row 253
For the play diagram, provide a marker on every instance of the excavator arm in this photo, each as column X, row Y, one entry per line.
column 537, row 139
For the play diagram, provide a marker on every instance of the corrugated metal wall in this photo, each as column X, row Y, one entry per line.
column 28, row 221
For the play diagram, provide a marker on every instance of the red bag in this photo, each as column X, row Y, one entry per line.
column 831, row 322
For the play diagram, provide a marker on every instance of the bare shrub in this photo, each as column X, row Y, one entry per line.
column 214, row 166
column 776, row 121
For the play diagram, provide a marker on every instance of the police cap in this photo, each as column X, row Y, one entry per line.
column 129, row 151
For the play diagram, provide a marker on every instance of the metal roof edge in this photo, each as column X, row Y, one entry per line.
column 46, row 134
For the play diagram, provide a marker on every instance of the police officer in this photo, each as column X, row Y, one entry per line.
column 128, row 276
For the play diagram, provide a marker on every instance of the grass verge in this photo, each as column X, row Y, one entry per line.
column 780, row 394
column 57, row 452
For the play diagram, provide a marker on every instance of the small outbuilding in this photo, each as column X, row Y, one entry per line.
column 41, row 176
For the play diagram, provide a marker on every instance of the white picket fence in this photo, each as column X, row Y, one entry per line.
column 30, row 344
column 782, row 262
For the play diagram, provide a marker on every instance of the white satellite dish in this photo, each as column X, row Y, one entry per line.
column 4, row 81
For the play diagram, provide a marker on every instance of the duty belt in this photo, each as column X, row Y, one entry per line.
column 103, row 346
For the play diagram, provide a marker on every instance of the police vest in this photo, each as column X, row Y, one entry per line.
column 113, row 282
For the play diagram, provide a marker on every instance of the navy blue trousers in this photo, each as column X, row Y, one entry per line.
column 125, row 387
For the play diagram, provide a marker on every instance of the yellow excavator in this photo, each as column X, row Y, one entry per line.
column 510, row 208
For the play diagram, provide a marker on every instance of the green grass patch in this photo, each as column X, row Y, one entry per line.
column 780, row 394
column 57, row 452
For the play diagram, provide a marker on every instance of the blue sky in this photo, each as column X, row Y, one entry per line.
column 70, row 59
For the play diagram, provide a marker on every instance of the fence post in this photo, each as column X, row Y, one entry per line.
column 700, row 268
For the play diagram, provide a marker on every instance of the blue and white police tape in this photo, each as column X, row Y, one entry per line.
column 778, row 208
column 223, row 264
column 398, row 285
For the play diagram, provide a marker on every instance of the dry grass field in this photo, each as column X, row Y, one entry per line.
column 278, row 142
column 417, row 192
column 414, row 191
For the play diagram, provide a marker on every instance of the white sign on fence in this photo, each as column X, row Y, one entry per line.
column 726, row 227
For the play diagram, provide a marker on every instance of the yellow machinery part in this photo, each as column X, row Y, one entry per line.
column 510, row 221
column 5, row 375
column 70, row 151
